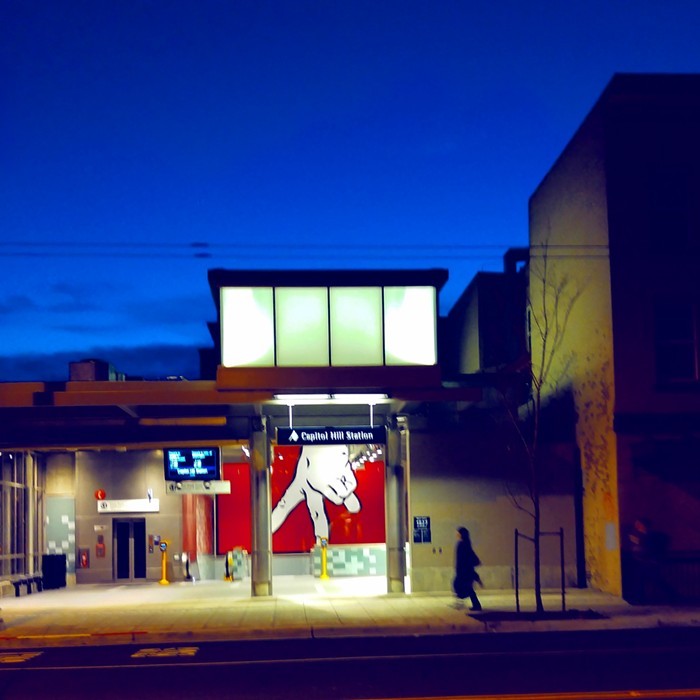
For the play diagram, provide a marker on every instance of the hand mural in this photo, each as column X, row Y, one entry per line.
column 322, row 471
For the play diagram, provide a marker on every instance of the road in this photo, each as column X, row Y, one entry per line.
column 666, row 659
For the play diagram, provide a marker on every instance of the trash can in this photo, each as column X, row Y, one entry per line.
column 53, row 570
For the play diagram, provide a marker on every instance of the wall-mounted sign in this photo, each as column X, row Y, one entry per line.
column 197, row 487
column 129, row 505
column 421, row 529
column 332, row 436
column 195, row 464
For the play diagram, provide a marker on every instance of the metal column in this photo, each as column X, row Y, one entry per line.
column 261, row 563
column 396, row 516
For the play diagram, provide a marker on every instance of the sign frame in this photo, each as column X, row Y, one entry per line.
column 332, row 435
column 422, row 533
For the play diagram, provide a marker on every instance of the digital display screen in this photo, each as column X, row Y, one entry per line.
column 187, row 463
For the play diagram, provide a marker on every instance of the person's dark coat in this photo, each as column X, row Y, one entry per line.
column 466, row 562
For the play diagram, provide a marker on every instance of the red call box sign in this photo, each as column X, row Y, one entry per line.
column 100, row 495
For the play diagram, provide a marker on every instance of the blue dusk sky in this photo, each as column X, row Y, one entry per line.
column 144, row 142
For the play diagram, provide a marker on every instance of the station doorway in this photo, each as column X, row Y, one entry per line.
column 332, row 494
column 129, row 547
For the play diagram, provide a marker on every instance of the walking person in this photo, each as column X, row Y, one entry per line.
column 466, row 562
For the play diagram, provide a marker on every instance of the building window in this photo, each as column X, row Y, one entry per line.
column 301, row 326
column 250, row 320
column 673, row 211
column 20, row 514
column 410, row 335
column 676, row 336
column 328, row 326
column 357, row 328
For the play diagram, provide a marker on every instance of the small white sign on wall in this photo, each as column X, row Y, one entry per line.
column 180, row 488
column 129, row 505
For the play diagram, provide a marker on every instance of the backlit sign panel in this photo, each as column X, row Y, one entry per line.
column 331, row 436
column 328, row 326
column 187, row 463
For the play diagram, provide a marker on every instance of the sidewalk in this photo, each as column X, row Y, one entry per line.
column 186, row 612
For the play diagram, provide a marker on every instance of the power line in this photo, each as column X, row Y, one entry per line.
column 202, row 245
column 201, row 250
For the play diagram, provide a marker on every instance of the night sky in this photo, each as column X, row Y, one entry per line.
column 144, row 142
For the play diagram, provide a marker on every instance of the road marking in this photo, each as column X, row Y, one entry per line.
column 165, row 653
column 18, row 657
column 52, row 636
column 73, row 635
column 589, row 695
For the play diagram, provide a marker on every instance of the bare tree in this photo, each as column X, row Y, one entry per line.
column 550, row 302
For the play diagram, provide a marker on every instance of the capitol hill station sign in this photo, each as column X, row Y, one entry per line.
column 331, row 435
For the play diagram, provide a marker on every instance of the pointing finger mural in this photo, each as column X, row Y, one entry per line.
column 332, row 492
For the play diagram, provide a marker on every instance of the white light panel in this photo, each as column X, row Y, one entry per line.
column 301, row 317
column 410, row 323
column 247, row 330
column 356, row 326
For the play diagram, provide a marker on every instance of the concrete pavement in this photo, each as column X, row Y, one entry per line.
column 302, row 607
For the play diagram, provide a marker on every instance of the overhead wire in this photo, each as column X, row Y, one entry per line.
column 288, row 250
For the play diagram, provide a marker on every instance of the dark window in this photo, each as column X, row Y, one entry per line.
column 670, row 208
column 676, row 332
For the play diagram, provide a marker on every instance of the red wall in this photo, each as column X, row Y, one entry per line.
column 233, row 510
column 297, row 535
column 197, row 529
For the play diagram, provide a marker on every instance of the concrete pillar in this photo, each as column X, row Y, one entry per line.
column 396, row 515
column 261, row 561
column 30, row 496
column 6, row 529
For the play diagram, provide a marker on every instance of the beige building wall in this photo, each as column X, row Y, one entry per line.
column 569, row 241
column 456, row 480
column 465, row 331
column 60, row 474
column 124, row 476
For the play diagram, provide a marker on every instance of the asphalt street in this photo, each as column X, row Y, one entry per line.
column 661, row 659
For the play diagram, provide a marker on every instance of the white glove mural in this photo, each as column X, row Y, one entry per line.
column 323, row 471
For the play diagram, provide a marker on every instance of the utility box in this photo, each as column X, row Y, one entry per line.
column 53, row 571
column 93, row 371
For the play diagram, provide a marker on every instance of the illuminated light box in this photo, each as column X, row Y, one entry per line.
column 410, row 325
column 192, row 463
column 247, row 327
column 356, row 326
column 301, row 315
column 328, row 326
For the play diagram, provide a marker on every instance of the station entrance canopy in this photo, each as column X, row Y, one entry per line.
column 148, row 414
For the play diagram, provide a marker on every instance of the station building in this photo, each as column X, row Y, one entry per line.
column 331, row 425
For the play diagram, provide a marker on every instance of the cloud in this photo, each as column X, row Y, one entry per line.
column 149, row 362
column 17, row 303
column 173, row 310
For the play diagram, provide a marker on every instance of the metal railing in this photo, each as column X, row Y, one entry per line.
column 560, row 535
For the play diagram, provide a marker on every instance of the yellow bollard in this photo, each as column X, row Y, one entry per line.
column 324, row 560
column 228, row 574
column 164, row 563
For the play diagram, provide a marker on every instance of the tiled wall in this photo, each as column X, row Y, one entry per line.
column 240, row 564
column 352, row 560
column 60, row 528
